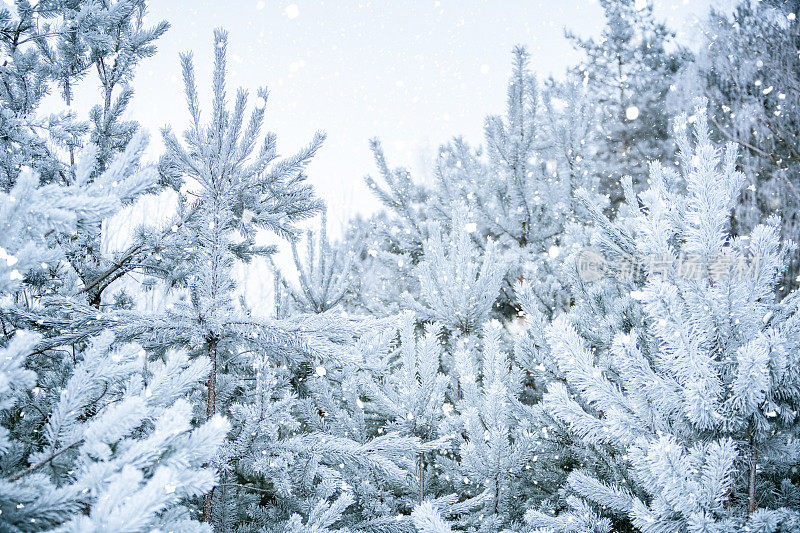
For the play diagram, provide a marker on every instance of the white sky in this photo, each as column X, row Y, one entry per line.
column 413, row 73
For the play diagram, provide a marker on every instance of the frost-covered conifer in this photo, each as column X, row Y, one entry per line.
column 689, row 419
column 458, row 283
column 357, row 439
column 91, row 439
column 234, row 188
column 628, row 72
column 513, row 194
column 407, row 394
column 520, row 192
column 390, row 242
column 118, row 444
column 491, row 469
column 53, row 48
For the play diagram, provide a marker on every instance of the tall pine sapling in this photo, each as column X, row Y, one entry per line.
column 238, row 191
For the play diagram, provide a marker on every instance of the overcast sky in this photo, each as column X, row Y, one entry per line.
column 412, row 73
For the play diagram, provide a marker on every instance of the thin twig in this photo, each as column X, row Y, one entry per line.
column 43, row 462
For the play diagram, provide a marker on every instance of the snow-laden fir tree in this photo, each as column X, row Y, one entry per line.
column 689, row 421
column 402, row 197
column 235, row 188
column 511, row 193
column 81, row 436
column 49, row 48
column 380, row 413
column 320, row 451
column 602, row 306
column 465, row 432
column 119, row 448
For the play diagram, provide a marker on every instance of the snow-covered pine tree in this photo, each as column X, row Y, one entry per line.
column 55, row 47
column 601, row 270
column 56, row 456
column 118, row 450
column 317, row 452
column 689, row 421
column 601, row 307
column 376, row 425
column 402, row 393
column 234, row 188
column 402, row 197
column 390, row 242
column 512, row 194
column 463, row 178
column 750, row 70
column 628, row 72
column 45, row 45
column 90, row 439
column 405, row 393
column 508, row 192
column 371, row 448
column 570, row 138
column 522, row 192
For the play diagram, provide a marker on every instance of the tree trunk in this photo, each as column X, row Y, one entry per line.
column 751, row 478
column 421, row 478
column 210, row 410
